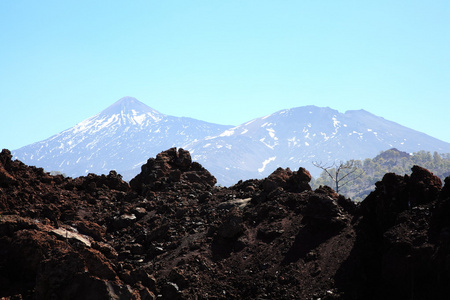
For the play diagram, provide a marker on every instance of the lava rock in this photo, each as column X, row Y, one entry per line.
column 170, row 167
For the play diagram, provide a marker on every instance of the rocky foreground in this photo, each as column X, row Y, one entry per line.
column 172, row 234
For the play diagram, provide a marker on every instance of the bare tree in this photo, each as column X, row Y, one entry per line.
column 339, row 173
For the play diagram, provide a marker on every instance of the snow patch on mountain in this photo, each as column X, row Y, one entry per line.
column 265, row 163
column 121, row 137
column 127, row 133
column 227, row 133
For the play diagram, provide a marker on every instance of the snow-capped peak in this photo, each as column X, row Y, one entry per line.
column 127, row 111
column 133, row 109
column 128, row 132
column 120, row 137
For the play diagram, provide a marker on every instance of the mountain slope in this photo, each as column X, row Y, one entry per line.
column 299, row 136
column 121, row 137
column 124, row 135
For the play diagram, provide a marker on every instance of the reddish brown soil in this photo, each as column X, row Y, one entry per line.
column 172, row 234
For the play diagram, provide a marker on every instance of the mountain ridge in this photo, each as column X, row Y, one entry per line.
column 120, row 137
column 298, row 136
column 125, row 134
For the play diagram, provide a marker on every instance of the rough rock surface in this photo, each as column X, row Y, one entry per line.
column 172, row 234
column 170, row 169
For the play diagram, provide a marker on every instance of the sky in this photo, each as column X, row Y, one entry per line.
column 224, row 62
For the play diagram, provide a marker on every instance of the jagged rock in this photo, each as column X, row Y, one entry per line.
column 389, row 199
column 111, row 181
column 176, row 235
column 10, row 224
column 97, row 264
column 92, row 229
column 445, row 192
column 50, row 258
column 323, row 212
column 5, row 163
column 27, row 250
column 347, row 204
column 395, row 193
column 5, row 159
column 171, row 167
column 297, row 181
column 424, row 186
column 441, row 215
column 107, row 250
column 114, row 181
column 324, row 189
column 277, row 179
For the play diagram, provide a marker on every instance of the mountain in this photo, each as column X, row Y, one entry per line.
column 121, row 137
column 362, row 182
column 299, row 136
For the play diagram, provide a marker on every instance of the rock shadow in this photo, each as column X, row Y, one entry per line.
column 307, row 239
column 222, row 248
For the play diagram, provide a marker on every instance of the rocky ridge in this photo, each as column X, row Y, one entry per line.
column 172, row 234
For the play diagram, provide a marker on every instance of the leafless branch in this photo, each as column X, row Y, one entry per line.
column 338, row 172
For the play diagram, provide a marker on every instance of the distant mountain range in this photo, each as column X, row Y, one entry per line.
column 121, row 137
column 124, row 135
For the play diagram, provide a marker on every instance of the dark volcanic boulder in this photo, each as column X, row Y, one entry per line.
column 324, row 212
column 297, row 181
column 395, row 193
column 441, row 216
column 389, row 199
column 169, row 168
column 445, row 192
column 424, row 186
column 5, row 158
column 112, row 181
column 5, row 162
column 402, row 245
column 53, row 263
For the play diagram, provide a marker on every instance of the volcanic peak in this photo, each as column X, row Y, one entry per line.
column 131, row 107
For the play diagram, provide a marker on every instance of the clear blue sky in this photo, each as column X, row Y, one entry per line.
column 221, row 61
